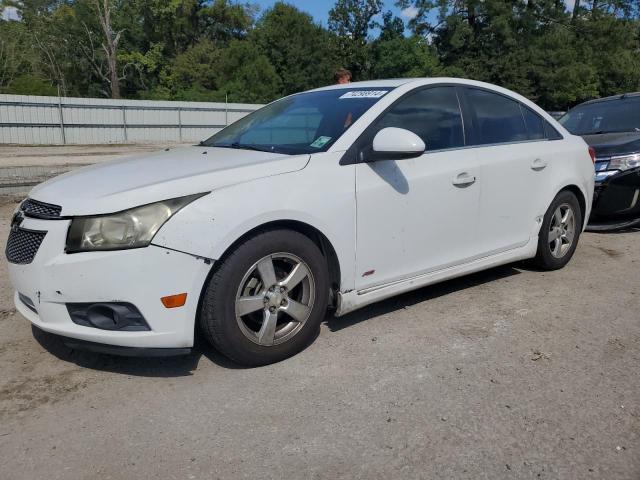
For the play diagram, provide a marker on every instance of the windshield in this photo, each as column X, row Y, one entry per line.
column 622, row 115
column 303, row 123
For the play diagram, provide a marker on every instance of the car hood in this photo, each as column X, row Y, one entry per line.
column 612, row 144
column 117, row 185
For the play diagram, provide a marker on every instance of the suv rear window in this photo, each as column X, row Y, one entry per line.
column 609, row 116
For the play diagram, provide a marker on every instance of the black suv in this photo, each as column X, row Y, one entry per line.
column 611, row 126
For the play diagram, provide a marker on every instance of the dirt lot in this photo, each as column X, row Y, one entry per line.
column 37, row 155
column 509, row 373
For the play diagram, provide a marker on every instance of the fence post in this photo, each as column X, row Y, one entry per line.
column 180, row 123
column 226, row 109
column 64, row 137
column 124, row 123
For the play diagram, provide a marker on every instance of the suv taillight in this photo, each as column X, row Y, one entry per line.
column 592, row 153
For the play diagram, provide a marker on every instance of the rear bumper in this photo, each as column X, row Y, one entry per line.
column 616, row 200
column 139, row 276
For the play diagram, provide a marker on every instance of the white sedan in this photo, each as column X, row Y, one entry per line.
column 336, row 197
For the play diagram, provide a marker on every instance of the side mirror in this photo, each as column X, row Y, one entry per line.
column 397, row 143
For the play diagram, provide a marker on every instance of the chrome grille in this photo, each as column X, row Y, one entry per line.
column 23, row 245
column 34, row 208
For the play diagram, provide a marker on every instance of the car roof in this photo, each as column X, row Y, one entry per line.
column 409, row 83
column 417, row 81
column 612, row 97
column 393, row 82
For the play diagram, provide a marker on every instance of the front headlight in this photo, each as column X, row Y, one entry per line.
column 625, row 162
column 132, row 228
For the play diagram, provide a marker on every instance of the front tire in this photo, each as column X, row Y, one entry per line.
column 559, row 233
column 266, row 300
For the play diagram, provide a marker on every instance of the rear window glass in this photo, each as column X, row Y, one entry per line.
column 534, row 124
column 498, row 118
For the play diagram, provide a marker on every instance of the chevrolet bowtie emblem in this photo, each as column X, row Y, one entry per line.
column 16, row 220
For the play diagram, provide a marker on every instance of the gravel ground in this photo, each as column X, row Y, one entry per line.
column 510, row 373
column 22, row 167
column 58, row 155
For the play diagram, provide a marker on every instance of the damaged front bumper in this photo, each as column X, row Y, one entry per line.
column 52, row 280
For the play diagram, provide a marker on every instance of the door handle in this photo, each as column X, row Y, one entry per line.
column 538, row 164
column 464, row 180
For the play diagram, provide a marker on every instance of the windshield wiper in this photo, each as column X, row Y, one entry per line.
column 245, row 146
column 241, row 146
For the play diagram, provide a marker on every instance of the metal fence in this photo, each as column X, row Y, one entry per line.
column 32, row 120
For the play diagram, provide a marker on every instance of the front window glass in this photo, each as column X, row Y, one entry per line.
column 620, row 115
column 433, row 114
column 303, row 123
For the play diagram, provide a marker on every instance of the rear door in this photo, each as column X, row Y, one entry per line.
column 515, row 164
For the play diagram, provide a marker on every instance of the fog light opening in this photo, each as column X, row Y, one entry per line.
column 108, row 316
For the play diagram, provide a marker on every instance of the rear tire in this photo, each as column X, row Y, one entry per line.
column 266, row 300
column 559, row 233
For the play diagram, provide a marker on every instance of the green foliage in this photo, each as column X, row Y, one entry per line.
column 222, row 21
column 246, row 74
column 400, row 57
column 28, row 84
column 350, row 21
column 196, row 67
column 15, row 55
column 210, row 50
column 300, row 51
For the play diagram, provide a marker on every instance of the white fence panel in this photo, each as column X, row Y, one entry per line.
column 31, row 120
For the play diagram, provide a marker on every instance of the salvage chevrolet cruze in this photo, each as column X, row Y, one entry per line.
column 336, row 197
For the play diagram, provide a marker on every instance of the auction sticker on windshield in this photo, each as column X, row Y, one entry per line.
column 364, row 94
column 320, row 142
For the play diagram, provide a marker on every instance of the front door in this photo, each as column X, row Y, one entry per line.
column 417, row 215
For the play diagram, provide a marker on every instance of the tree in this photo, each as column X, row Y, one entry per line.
column 401, row 57
column 110, row 42
column 350, row 21
column 353, row 18
column 392, row 27
column 15, row 55
column 206, row 49
column 246, row 75
column 300, row 51
column 222, row 21
column 196, row 67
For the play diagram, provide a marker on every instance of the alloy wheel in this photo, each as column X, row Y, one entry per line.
column 562, row 230
column 274, row 299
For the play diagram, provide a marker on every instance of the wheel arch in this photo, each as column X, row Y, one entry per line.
column 311, row 232
column 581, row 199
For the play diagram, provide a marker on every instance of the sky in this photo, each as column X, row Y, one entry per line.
column 10, row 13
